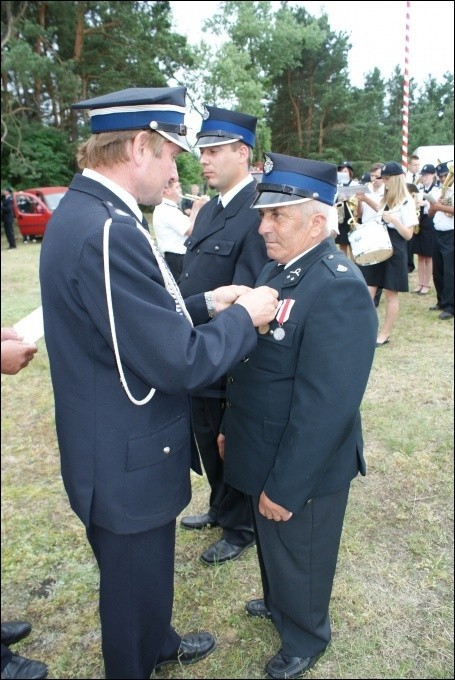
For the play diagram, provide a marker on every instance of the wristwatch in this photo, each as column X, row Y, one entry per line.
column 210, row 302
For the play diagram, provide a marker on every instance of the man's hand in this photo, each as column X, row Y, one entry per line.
column 271, row 510
column 225, row 296
column 260, row 303
column 16, row 355
column 10, row 333
column 220, row 441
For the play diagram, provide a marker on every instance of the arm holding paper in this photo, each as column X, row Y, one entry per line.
column 16, row 354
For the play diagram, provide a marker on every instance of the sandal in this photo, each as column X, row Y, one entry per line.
column 424, row 290
column 417, row 290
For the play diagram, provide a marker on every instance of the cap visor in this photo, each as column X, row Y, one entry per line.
column 202, row 142
column 180, row 140
column 268, row 199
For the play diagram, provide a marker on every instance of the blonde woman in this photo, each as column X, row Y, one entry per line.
column 398, row 212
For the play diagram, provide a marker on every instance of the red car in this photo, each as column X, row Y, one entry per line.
column 34, row 207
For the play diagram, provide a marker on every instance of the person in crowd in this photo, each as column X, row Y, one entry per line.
column 398, row 212
column 224, row 248
column 16, row 355
column 412, row 177
column 291, row 435
column 413, row 171
column 422, row 241
column 366, row 213
column 187, row 202
column 345, row 178
column 441, row 211
column 124, row 351
column 8, row 217
column 171, row 226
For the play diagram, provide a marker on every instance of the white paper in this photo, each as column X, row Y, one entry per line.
column 31, row 327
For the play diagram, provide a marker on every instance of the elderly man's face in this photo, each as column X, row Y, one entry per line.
column 287, row 232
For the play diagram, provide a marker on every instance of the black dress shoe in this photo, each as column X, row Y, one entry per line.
column 223, row 551
column 13, row 631
column 258, row 608
column 20, row 667
column 445, row 315
column 193, row 648
column 198, row 522
column 281, row 666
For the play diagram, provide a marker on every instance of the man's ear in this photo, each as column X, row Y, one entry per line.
column 139, row 145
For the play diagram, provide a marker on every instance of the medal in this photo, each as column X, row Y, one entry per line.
column 279, row 333
column 264, row 329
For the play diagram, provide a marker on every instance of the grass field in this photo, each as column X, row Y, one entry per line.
column 392, row 604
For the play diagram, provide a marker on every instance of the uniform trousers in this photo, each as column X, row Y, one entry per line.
column 9, row 231
column 7, row 655
column 228, row 506
column 175, row 263
column 135, row 599
column 443, row 268
column 297, row 560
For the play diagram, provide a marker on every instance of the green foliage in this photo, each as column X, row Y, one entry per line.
column 189, row 170
column 45, row 159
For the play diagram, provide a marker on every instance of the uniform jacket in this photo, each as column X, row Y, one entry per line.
column 223, row 248
column 125, row 467
column 292, row 420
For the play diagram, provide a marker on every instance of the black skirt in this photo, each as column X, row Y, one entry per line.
column 422, row 243
column 392, row 274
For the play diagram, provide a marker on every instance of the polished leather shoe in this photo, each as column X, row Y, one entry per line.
column 13, row 631
column 198, row 522
column 223, row 551
column 193, row 648
column 281, row 666
column 258, row 608
column 20, row 667
column 445, row 315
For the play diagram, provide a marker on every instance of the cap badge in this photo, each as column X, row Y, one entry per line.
column 268, row 166
column 206, row 113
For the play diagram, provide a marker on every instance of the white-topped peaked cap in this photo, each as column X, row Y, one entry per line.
column 140, row 108
column 288, row 179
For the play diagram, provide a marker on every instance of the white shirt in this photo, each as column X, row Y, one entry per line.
column 406, row 213
column 368, row 214
column 170, row 225
column 441, row 221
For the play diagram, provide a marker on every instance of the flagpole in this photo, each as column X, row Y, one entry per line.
column 405, row 124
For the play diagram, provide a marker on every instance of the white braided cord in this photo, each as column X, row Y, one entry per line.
column 170, row 285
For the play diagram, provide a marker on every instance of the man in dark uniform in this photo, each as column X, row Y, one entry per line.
column 224, row 248
column 124, row 355
column 293, row 438
column 8, row 217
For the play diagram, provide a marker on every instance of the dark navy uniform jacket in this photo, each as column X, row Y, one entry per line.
column 223, row 249
column 125, row 467
column 292, row 420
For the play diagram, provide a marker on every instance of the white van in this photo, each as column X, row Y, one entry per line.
column 434, row 154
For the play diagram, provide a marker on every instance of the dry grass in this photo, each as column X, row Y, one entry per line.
column 392, row 605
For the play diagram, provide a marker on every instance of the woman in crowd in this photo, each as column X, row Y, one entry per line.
column 399, row 215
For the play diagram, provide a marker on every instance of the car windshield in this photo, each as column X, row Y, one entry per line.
column 52, row 200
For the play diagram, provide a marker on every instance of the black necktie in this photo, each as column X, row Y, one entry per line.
column 276, row 269
column 218, row 208
column 413, row 178
column 145, row 224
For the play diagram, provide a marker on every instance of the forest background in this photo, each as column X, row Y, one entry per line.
column 283, row 65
